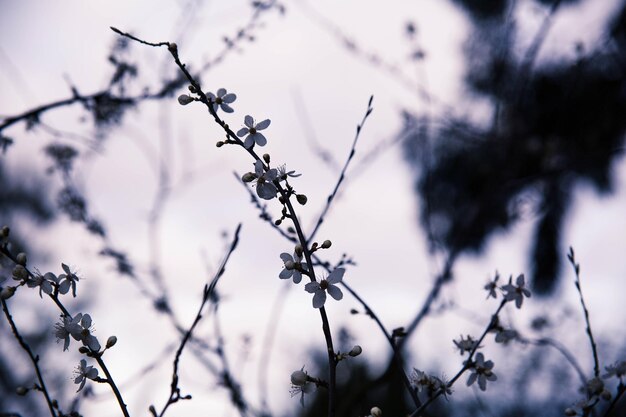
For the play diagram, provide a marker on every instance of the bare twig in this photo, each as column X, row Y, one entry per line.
column 208, row 293
column 33, row 358
column 342, row 175
column 594, row 349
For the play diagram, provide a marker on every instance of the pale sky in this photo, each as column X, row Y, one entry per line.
column 45, row 44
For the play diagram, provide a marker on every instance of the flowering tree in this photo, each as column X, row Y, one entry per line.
column 272, row 188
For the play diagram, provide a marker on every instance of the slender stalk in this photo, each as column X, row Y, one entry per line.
column 467, row 364
column 594, row 349
column 111, row 382
column 33, row 358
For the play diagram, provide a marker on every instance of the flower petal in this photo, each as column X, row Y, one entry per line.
column 226, row 108
column 335, row 292
column 249, row 142
column 471, row 379
column 319, row 299
column 263, row 125
column 336, row 276
column 259, row 139
column 266, row 191
column 312, row 287
column 285, row 274
column 229, row 98
column 221, row 92
column 248, row 121
column 243, row 131
column 297, row 277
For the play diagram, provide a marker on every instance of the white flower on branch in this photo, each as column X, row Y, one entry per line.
column 40, row 281
column 301, row 384
column 222, row 100
column 481, row 372
column 67, row 280
column 79, row 328
column 293, row 265
column 319, row 289
column 466, row 345
column 264, row 181
column 252, row 132
column 83, row 373
column 516, row 292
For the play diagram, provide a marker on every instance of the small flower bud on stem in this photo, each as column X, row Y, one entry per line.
column 21, row 258
column 356, row 351
column 248, row 177
column 326, row 244
column 5, row 231
column 266, row 158
column 111, row 341
column 302, row 199
column 184, row 99
column 7, row 293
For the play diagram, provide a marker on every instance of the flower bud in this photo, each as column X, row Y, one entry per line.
column 326, row 244
column 376, row 412
column 606, row 395
column 7, row 292
column 111, row 341
column 219, row 143
column 298, row 249
column 184, row 99
column 289, row 265
column 83, row 349
column 302, row 199
column 20, row 273
column 5, row 231
column 248, row 177
column 570, row 412
column 356, row 351
column 21, row 391
column 266, row 158
column 278, row 222
column 172, row 47
column 21, row 258
column 299, row 378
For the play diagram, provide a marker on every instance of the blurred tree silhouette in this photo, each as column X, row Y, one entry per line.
column 555, row 124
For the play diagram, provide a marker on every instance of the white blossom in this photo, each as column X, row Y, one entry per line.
column 481, row 371
column 264, row 181
column 319, row 289
column 222, row 100
column 516, row 292
column 252, row 132
column 84, row 372
column 291, row 267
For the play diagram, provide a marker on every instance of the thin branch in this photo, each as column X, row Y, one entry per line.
column 342, row 175
column 34, row 359
column 467, row 364
column 443, row 278
column 208, row 295
column 594, row 349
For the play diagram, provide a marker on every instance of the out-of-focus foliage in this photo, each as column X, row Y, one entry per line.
column 554, row 124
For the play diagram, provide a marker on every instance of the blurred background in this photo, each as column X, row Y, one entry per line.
column 495, row 144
